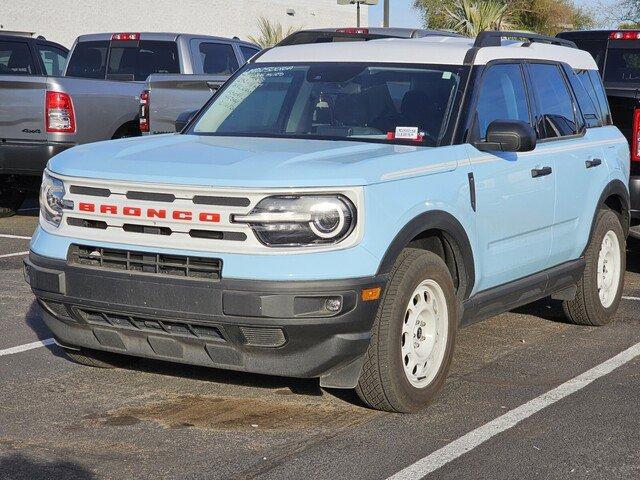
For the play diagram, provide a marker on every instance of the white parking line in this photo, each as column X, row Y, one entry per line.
column 28, row 346
column 631, row 298
column 19, row 254
column 19, row 237
column 477, row 437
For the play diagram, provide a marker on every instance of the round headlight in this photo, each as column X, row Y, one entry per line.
column 52, row 201
column 306, row 220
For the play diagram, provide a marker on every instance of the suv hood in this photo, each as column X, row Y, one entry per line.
column 240, row 161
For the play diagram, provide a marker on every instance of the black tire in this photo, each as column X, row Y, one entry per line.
column 10, row 201
column 94, row 358
column 587, row 308
column 383, row 384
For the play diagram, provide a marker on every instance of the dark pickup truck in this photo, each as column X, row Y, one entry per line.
column 617, row 53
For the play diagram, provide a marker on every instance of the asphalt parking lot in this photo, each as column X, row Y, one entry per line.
column 494, row 420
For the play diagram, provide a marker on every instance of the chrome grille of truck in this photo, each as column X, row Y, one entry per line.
column 156, row 263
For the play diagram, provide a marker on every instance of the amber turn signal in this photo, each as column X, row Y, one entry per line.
column 371, row 294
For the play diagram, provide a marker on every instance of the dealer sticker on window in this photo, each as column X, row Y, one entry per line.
column 407, row 133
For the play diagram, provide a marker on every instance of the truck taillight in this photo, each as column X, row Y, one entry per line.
column 625, row 35
column 59, row 114
column 144, row 111
column 125, row 37
column 354, row 31
column 635, row 144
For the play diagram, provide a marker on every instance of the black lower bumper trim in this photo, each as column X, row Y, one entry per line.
column 276, row 328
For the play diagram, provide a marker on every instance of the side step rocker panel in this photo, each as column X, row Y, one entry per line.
column 515, row 294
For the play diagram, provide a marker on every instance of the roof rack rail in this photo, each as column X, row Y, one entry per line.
column 494, row 39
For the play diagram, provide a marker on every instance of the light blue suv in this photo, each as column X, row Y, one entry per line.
column 338, row 211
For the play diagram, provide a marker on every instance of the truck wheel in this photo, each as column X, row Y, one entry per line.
column 601, row 285
column 10, row 201
column 413, row 335
column 94, row 358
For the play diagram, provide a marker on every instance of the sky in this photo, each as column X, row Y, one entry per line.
column 403, row 15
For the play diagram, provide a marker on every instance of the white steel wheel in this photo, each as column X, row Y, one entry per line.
column 424, row 334
column 599, row 290
column 609, row 265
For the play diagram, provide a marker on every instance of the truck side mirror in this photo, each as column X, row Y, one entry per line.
column 183, row 119
column 508, row 136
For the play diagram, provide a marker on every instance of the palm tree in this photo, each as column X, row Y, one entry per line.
column 270, row 33
column 470, row 17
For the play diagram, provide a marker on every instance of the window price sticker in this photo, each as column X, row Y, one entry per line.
column 407, row 133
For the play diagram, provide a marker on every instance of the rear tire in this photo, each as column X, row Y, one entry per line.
column 600, row 288
column 413, row 335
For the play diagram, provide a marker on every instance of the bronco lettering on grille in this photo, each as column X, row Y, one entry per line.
column 148, row 213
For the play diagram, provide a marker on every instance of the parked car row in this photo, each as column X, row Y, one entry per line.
column 48, row 104
column 339, row 209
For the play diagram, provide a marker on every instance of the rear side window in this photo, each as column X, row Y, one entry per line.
column 587, row 98
column 502, row 96
column 248, row 52
column 89, row 60
column 623, row 66
column 137, row 62
column 53, row 59
column 601, row 95
column 16, row 59
column 218, row 58
column 556, row 116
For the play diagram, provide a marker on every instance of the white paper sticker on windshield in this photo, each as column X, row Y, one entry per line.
column 407, row 133
column 446, row 75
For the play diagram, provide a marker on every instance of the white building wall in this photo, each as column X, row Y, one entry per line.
column 63, row 20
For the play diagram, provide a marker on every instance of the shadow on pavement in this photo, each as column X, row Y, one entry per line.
column 18, row 467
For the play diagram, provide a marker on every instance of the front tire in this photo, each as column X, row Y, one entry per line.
column 413, row 337
column 600, row 288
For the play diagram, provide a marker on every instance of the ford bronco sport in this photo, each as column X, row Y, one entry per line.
column 338, row 211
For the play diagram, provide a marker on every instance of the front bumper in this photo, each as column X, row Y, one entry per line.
column 267, row 327
column 28, row 157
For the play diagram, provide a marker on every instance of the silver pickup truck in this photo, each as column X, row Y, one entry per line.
column 168, row 96
column 96, row 97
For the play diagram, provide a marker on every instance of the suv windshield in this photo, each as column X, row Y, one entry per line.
column 336, row 101
column 623, row 65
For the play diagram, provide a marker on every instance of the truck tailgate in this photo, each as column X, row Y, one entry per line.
column 22, row 101
column 171, row 95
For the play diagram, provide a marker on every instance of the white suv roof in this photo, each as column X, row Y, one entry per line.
column 427, row 50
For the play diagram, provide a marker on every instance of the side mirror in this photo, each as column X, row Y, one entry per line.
column 508, row 136
column 183, row 119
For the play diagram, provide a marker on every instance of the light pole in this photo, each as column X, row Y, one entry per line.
column 358, row 3
column 385, row 21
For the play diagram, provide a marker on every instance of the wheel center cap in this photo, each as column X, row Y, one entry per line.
column 419, row 333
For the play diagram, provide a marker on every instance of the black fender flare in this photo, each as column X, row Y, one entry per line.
column 432, row 220
column 620, row 190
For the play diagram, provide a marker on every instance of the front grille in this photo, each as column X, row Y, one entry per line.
column 141, row 323
column 157, row 263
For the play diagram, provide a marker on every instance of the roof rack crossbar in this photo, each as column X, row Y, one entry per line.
column 494, row 39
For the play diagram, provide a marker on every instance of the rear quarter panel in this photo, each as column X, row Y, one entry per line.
column 101, row 106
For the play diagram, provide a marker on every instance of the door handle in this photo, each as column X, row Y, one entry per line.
column 596, row 162
column 541, row 172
